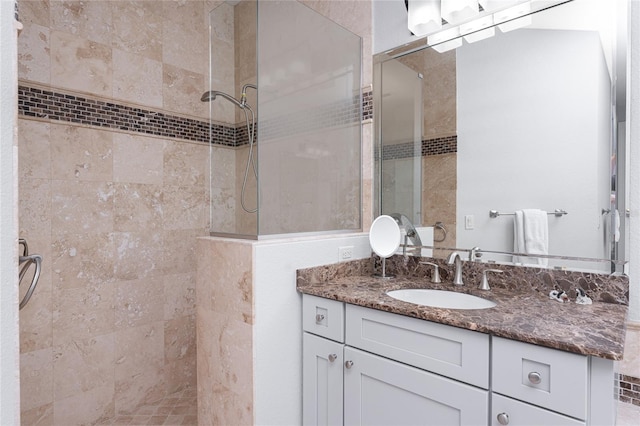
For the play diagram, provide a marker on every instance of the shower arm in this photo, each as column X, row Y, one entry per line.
column 243, row 97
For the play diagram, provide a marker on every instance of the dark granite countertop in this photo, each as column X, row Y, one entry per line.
column 522, row 313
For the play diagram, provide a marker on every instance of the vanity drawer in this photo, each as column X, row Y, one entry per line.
column 546, row 377
column 518, row 413
column 323, row 317
column 453, row 352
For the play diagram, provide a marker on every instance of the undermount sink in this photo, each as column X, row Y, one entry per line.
column 441, row 299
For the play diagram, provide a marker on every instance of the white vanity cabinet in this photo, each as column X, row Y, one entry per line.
column 350, row 383
column 362, row 366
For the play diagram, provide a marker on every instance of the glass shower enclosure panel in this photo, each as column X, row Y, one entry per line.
column 233, row 204
column 309, row 149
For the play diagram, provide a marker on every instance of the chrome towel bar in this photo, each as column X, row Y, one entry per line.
column 496, row 213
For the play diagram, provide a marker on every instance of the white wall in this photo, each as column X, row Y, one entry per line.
column 390, row 25
column 533, row 132
column 9, row 355
column 278, row 320
column 633, row 137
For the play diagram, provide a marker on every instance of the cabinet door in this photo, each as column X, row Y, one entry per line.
column 322, row 372
column 507, row 411
column 378, row 391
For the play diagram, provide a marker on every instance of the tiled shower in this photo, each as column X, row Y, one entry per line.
column 114, row 184
column 115, row 187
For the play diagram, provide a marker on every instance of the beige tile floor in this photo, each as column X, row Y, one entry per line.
column 176, row 409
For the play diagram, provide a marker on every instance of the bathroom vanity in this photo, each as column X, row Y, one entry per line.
column 369, row 359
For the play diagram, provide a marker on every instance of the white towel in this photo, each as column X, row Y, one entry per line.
column 518, row 237
column 531, row 235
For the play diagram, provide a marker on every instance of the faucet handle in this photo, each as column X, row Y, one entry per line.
column 475, row 254
column 435, row 277
column 484, row 284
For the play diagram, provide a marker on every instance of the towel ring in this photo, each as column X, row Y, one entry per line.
column 441, row 227
column 25, row 263
column 25, row 246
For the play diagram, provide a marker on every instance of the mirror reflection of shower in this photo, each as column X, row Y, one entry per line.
column 251, row 127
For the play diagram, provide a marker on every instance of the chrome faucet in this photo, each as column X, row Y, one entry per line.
column 475, row 253
column 454, row 258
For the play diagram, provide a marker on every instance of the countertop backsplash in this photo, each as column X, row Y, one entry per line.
column 599, row 287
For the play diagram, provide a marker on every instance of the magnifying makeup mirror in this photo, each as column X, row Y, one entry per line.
column 384, row 238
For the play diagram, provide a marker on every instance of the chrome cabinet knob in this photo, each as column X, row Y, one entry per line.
column 348, row 364
column 332, row 357
column 503, row 418
column 319, row 318
column 534, row 377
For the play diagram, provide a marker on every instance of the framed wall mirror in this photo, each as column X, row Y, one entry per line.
column 529, row 118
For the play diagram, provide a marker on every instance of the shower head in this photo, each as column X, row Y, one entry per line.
column 211, row 95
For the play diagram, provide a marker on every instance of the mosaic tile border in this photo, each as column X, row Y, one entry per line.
column 56, row 105
column 66, row 106
column 629, row 389
column 435, row 146
column 367, row 105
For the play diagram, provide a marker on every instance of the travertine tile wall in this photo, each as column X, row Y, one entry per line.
column 225, row 331
column 439, row 112
column 114, row 213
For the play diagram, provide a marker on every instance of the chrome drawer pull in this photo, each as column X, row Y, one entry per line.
column 332, row 357
column 348, row 364
column 319, row 318
column 503, row 418
column 535, row 378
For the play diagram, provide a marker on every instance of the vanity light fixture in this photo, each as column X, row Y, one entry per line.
column 515, row 24
column 456, row 11
column 497, row 4
column 514, row 17
column 445, row 40
column 478, row 29
column 424, row 16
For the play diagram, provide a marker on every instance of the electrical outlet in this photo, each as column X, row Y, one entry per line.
column 469, row 221
column 345, row 253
